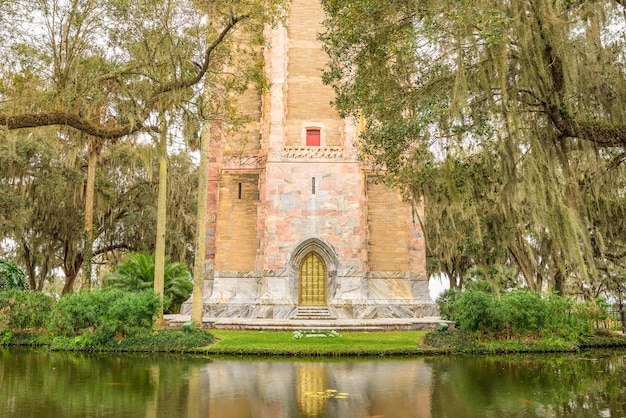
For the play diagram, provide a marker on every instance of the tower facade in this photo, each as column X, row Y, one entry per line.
column 295, row 220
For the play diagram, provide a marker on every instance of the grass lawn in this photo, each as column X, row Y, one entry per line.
column 283, row 343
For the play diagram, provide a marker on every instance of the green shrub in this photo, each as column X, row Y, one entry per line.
column 20, row 310
column 98, row 316
column 478, row 311
column 525, row 311
column 520, row 312
column 12, row 277
column 445, row 303
column 566, row 317
column 472, row 310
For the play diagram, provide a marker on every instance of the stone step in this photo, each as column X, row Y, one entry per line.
column 313, row 313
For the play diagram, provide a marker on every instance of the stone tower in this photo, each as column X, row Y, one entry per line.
column 297, row 224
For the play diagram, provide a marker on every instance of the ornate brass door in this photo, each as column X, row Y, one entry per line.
column 312, row 282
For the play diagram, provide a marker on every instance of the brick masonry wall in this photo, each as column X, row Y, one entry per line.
column 215, row 158
column 388, row 247
column 250, row 240
column 236, row 222
column 248, row 139
column 308, row 99
column 417, row 244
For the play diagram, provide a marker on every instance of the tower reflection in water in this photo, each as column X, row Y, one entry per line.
column 310, row 389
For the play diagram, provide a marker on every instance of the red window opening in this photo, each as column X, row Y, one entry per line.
column 312, row 137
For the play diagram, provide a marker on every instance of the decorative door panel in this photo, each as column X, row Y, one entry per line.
column 312, row 281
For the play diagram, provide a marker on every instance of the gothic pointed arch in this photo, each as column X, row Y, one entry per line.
column 302, row 253
column 320, row 246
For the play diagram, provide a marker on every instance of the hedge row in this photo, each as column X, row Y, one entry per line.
column 520, row 312
column 92, row 317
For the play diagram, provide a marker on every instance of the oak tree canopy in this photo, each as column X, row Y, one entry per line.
column 507, row 117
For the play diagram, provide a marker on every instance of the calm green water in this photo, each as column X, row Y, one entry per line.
column 64, row 385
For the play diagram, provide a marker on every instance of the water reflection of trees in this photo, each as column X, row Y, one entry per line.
column 78, row 385
column 528, row 386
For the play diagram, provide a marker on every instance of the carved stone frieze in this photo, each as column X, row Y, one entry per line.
column 242, row 162
column 312, row 153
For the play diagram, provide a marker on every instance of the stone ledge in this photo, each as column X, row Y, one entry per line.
column 388, row 324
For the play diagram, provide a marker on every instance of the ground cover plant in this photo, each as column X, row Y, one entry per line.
column 95, row 317
column 152, row 340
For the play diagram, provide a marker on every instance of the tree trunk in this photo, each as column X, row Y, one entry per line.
column 197, row 301
column 43, row 272
column 559, row 283
column 70, row 268
column 539, row 281
column 454, row 281
column 159, row 252
column 94, row 146
column 524, row 264
column 70, row 278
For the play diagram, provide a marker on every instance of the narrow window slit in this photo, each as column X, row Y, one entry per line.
column 313, row 185
column 239, row 192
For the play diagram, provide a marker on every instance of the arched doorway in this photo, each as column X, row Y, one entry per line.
column 312, row 281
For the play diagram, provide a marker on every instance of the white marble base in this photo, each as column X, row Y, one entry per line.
column 275, row 295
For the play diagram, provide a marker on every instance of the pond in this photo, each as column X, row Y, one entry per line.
column 43, row 384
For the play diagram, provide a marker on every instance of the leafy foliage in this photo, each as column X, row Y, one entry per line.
column 12, row 277
column 519, row 313
column 507, row 118
column 86, row 75
column 21, row 310
column 106, row 68
column 97, row 316
column 136, row 273
column 41, row 203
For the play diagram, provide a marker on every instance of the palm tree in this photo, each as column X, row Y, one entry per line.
column 136, row 272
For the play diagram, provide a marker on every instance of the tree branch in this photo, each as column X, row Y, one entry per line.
column 97, row 129
column 112, row 247
column 33, row 120
column 601, row 134
column 186, row 83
